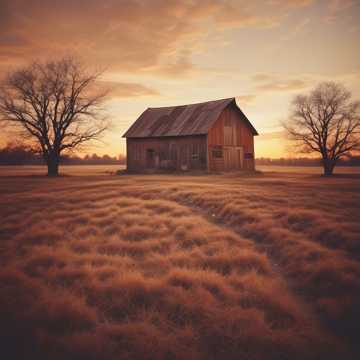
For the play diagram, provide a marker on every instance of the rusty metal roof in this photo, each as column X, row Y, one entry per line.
column 193, row 119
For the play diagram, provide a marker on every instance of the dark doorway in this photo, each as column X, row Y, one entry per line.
column 150, row 158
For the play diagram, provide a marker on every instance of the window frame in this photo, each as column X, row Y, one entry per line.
column 217, row 152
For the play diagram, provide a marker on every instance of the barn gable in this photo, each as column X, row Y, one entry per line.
column 183, row 120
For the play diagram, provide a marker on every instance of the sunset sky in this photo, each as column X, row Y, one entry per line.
column 160, row 53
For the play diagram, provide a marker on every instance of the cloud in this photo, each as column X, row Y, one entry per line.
column 125, row 90
column 283, row 85
column 262, row 77
column 13, row 40
column 291, row 3
column 245, row 99
column 126, row 36
column 297, row 29
column 232, row 15
column 274, row 135
column 266, row 82
column 180, row 66
column 256, row 13
column 337, row 8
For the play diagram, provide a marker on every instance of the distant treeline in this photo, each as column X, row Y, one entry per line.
column 352, row 161
column 13, row 154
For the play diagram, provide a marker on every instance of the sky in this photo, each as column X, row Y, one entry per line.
column 173, row 52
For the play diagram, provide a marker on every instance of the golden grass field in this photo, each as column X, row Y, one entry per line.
column 99, row 266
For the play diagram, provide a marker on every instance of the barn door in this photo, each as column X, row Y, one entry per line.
column 229, row 158
column 233, row 158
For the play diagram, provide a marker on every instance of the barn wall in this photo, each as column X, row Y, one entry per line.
column 167, row 153
column 229, row 139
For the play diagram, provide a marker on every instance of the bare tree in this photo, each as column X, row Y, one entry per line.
column 55, row 105
column 325, row 121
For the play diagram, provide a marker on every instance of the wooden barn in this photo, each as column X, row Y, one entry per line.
column 211, row 136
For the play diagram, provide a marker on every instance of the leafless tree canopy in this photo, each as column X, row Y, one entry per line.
column 325, row 121
column 53, row 103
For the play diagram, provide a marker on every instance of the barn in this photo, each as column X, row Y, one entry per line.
column 210, row 136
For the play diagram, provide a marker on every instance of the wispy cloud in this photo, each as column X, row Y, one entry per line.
column 269, row 82
column 124, row 89
column 245, row 99
column 338, row 8
column 262, row 77
column 274, row 135
column 128, row 36
column 291, row 3
column 233, row 15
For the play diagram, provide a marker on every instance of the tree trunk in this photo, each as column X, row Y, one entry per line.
column 329, row 165
column 53, row 166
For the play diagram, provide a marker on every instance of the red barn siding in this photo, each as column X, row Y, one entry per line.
column 231, row 134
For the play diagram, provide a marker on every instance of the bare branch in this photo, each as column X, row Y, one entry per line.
column 325, row 121
column 55, row 103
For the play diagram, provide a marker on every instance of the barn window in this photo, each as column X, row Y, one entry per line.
column 217, row 152
column 249, row 156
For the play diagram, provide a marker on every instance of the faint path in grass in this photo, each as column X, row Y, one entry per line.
column 275, row 257
column 265, row 248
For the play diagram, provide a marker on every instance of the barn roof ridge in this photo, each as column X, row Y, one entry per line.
column 191, row 104
column 181, row 120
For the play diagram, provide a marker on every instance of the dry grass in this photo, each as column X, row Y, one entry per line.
column 166, row 267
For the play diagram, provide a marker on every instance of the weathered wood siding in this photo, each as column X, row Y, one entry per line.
column 230, row 143
column 167, row 153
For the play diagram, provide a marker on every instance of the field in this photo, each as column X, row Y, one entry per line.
column 235, row 266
